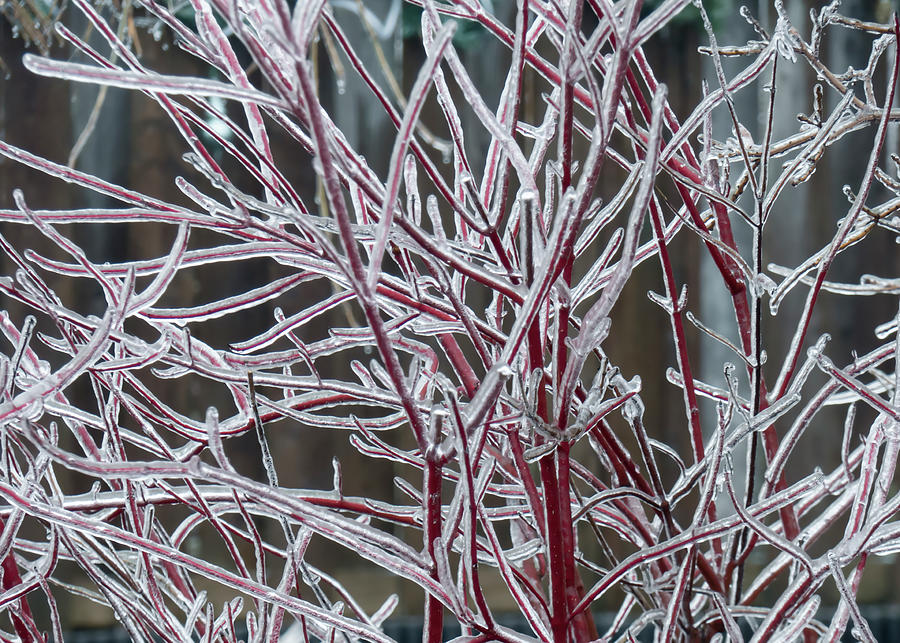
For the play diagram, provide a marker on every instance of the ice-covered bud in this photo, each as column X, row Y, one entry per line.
column 633, row 409
column 762, row 284
column 662, row 302
column 784, row 40
column 682, row 298
column 594, row 399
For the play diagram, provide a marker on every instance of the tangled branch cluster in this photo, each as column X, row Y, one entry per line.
column 483, row 296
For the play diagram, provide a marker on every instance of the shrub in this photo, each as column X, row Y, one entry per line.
column 476, row 300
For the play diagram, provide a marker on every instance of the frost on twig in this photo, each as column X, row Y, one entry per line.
column 477, row 350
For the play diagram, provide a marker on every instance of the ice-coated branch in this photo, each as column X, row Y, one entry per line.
column 453, row 305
